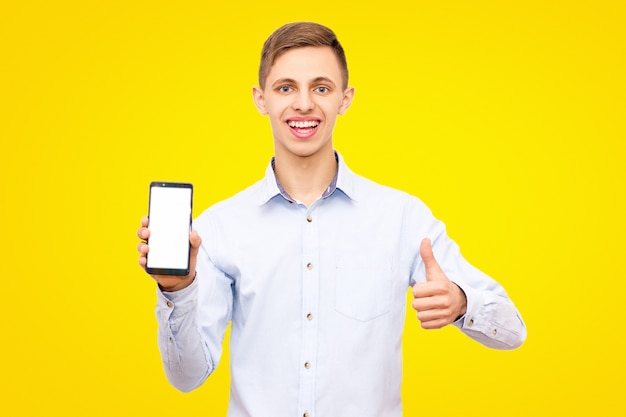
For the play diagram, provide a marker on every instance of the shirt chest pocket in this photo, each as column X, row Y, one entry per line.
column 363, row 287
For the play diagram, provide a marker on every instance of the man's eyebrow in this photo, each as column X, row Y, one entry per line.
column 281, row 81
column 324, row 80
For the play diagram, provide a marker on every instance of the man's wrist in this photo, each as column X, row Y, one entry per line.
column 462, row 309
column 181, row 285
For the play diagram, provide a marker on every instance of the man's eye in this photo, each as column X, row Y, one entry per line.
column 284, row 89
column 322, row 90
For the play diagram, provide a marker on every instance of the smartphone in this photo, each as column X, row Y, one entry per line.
column 169, row 222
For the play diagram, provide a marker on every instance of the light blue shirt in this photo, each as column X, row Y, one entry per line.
column 317, row 299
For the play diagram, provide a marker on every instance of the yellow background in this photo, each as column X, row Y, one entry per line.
column 506, row 118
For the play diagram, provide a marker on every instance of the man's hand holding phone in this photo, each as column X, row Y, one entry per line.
column 170, row 248
column 168, row 283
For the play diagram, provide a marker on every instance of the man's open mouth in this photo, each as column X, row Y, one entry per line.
column 304, row 129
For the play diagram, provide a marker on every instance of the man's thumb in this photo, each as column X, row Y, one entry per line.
column 433, row 271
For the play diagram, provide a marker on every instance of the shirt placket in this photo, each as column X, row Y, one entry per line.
column 309, row 314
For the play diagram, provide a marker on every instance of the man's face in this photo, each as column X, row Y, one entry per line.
column 303, row 95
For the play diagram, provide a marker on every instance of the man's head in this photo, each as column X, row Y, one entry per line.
column 299, row 35
column 303, row 88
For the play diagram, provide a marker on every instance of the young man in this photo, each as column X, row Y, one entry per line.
column 312, row 264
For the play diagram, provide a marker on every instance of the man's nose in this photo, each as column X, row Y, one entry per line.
column 303, row 101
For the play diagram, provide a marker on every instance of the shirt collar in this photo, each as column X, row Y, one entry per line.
column 343, row 180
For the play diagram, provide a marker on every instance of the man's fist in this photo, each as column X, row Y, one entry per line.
column 438, row 301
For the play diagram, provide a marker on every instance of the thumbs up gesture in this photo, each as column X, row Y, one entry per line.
column 438, row 301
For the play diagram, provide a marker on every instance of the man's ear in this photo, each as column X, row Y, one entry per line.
column 259, row 100
column 348, row 95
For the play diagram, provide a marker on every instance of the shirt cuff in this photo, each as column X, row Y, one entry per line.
column 489, row 320
column 472, row 309
column 180, row 300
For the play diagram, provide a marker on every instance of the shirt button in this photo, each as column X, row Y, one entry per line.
column 307, row 365
column 309, row 317
column 171, row 339
column 495, row 332
column 309, row 219
column 309, row 265
column 471, row 322
column 306, row 414
column 169, row 304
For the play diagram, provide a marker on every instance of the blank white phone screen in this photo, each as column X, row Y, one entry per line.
column 169, row 224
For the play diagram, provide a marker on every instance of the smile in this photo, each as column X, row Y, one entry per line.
column 309, row 124
column 303, row 128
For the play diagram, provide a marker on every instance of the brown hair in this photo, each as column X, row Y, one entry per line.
column 300, row 35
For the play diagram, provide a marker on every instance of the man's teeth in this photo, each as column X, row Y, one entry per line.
column 303, row 125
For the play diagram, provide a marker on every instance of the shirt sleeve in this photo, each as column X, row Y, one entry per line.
column 491, row 317
column 192, row 323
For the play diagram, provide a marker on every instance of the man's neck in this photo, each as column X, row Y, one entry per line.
column 306, row 178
